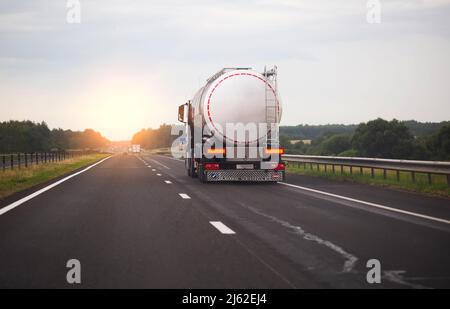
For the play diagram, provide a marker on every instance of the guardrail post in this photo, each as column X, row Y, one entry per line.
column 318, row 167
column 26, row 159
column 398, row 175
column 351, row 170
column 384, row 173
column 429, row 178
column 12, row 162
column 334, row 171
column 37, row 158
column 413, row 177
column 18, row 157
column 361, row 170
column 342, row 169
column 325, row 168
column 372, row 172
column 448, row 179
column 4, row 162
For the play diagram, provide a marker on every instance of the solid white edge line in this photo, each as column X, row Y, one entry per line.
column 369, row 204
column 39, row 192
column 184, row 195
column 222, row 227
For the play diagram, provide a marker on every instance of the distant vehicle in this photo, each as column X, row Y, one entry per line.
column 135, row 148
column 236, row 97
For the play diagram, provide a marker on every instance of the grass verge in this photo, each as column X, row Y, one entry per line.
column 438, row 187
column 12, row 181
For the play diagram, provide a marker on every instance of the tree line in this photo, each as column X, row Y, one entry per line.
column 28, row 136
column 305, row 131
column 379, row 138
column 154, row 138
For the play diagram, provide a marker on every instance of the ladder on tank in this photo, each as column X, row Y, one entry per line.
column 272, row 112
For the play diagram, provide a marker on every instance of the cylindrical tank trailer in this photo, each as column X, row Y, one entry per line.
column 232, row 127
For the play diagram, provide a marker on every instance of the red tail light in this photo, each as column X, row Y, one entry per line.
column 280, row 167
column 211, row 166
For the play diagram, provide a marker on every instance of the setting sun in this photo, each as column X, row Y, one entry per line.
column 118, row 104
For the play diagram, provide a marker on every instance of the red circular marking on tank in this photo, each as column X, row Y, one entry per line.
column 225, row 78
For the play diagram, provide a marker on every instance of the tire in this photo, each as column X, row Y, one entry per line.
column 192, row 172
column 190, row 166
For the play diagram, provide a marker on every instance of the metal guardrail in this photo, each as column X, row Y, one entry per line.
column 24, row 160
column 411, row 166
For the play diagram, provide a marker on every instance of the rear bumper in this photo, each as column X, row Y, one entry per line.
column 244, row 175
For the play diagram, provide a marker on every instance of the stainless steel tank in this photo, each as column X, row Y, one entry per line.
column 234, row 96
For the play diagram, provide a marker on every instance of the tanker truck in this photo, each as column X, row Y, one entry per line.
column 231, row 128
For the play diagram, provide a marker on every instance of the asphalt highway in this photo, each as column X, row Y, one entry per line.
column 141, row 222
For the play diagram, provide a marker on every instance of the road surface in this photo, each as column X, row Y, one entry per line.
column 140, row 222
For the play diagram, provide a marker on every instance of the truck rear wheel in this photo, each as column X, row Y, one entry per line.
column 191, row 167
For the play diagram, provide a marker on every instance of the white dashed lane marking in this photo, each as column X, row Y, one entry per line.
column 157, row 162
column 167, row 182
column 222, row 227
column 184, row 195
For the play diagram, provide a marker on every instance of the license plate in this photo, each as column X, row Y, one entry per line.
column 244, row 166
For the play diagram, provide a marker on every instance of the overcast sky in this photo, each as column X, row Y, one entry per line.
column 129, row 64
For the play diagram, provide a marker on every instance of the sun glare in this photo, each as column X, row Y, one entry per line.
column 120, row 106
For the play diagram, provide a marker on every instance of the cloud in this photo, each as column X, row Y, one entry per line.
column 326, row 45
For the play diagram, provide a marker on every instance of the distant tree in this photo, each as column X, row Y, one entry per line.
column 439, row 144
column 304, row 131
column 336, row 144
column 349, row 153
column 383, row 139
column 27, row 136
column 154, row 138
column 24, row 136
column 315, row 131
column 419, row 129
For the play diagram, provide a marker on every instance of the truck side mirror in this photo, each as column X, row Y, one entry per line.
column 181, row 113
